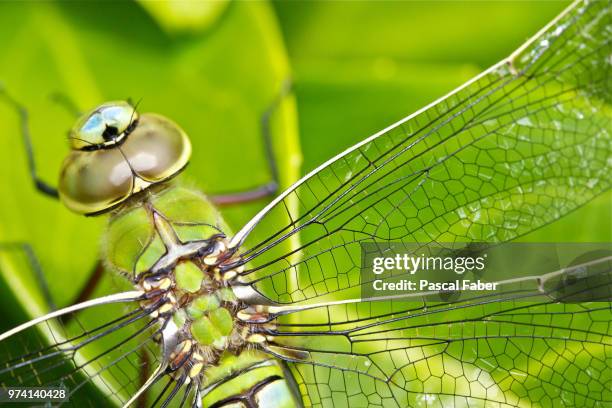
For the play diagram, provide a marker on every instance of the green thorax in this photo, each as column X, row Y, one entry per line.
column 169, row 243
column 175, row 235
column 133, row 244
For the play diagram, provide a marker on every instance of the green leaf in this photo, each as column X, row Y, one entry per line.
column 440, row 32
column 177, row 16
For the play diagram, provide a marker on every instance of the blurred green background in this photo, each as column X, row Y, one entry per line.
column 357, row 67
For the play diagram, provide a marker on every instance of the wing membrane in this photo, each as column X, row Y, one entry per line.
column 516, row 148
column 97, row 345
column 529, row 343
column 108, row 351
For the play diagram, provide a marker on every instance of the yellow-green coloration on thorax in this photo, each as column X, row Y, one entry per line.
column 133, row 245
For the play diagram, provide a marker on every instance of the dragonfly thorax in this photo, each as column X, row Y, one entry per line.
column 171, row 250
column 117, row 153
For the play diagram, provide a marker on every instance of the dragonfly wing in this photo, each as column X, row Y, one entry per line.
column 516, row 148
column 98, row 345
column 519, row 347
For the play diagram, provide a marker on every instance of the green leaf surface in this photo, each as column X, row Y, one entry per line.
column 178, row 16
column 411, row 31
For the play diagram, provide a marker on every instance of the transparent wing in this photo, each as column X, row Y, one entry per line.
column 77, row 350
column 101, row 350
column 514, row 149
column 535, row 342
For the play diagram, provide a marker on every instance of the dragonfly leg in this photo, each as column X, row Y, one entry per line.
column 40, row 185
column 27, row 249
column 270, row 188
column 66, row 102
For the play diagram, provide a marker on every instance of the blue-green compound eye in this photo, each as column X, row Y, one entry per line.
column 105, row 125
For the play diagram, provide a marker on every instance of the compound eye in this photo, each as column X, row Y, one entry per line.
column 104, row 126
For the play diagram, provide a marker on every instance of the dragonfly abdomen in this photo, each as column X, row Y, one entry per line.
column 259, row 382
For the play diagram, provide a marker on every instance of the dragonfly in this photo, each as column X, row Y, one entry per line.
column 214, row 318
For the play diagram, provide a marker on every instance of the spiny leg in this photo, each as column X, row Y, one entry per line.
column 271, row 187
column 40, row 185
column 36, row 268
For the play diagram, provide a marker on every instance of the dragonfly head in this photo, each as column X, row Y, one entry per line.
column 117, row 153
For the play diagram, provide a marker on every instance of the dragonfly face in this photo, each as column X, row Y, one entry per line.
column 117, row 153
